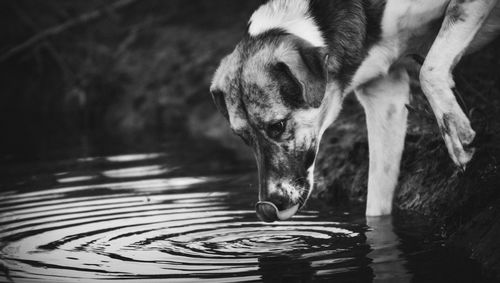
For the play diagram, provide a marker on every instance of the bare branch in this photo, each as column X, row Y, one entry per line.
column 86, row 17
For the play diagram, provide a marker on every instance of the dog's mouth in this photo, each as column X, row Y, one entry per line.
column 269, row 212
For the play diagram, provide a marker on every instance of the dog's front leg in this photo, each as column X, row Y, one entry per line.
column 384, row 101
column 462, row 21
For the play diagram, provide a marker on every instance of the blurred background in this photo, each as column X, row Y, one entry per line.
column 83, row 78
column 126, row 72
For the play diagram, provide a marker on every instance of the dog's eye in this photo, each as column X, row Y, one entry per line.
column 275, row 130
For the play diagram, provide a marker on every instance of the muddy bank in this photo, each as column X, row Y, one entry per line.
column 464, row 206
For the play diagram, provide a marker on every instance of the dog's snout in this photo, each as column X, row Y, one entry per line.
column 266, row 211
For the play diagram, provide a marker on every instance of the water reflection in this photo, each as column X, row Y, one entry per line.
column 282, row 268
column 138, row 220
column 75, row 179
column 139, row 171
column 388, row 262
column 382, row 261
column 124, row 157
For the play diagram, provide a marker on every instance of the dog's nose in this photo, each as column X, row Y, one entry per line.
column 266, row 211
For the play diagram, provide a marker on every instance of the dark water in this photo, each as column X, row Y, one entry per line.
column 180, row 215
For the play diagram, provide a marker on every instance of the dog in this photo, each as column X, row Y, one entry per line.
column 284, row 84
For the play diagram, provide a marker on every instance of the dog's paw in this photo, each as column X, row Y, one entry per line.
column 458, row 136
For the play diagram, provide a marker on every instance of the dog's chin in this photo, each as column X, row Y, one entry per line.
column 292, row 210
column 288, row 213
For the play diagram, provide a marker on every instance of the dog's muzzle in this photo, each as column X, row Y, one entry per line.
column 268, row 212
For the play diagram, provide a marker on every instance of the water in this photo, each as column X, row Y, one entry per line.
column 185, row 215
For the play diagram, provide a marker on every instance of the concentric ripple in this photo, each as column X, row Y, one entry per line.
column 115, row 223
column 250, row 239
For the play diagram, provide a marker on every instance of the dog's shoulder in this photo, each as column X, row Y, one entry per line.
column 410, row 16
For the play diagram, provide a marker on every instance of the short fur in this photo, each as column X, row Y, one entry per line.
column 284, row 84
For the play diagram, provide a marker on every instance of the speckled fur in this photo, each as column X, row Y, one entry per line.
column 326, row 49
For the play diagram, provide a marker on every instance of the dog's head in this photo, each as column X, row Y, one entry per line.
column 271, row 90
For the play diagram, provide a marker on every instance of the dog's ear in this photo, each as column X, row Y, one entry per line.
column 315, row 73
column 290, row 88
column 220, row 102
column 303, row 79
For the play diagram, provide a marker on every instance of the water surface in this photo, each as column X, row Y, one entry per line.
column 180, row 215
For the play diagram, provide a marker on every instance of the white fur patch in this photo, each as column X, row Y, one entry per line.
column 292, row 192
column 290, row 15
column 310, row 177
